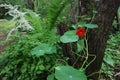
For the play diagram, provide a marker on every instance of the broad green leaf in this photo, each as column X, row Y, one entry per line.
column 74, row 26
column 72, row 32
column 51, row 50
column 82, row 23
column 69, row 73
column 80, row 45
column 69, row 36
column 43, row 49
column 94, row 11
column 108, row 59
column 91, row 25
column 40, row 50
column 50, row 77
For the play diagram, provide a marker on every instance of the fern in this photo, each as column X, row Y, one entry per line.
column 55, row 10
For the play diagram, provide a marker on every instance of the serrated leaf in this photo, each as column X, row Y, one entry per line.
column 91, row 25
column 69, row 73
column 69, row 36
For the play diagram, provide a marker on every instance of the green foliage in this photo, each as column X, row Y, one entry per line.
column 50, row 77
column 13, row 2
column 41, row 28
column 84, row 24
column 18, row 62
column 55, row 10
column 35, row 20
column 6, row 25
column 43, row 49
column 112, row 55
column 69, row 73
column 108, row 59
column 91, row 25
column 31, row 56
column 41, row 6
column 80, row 45
column 69, row 36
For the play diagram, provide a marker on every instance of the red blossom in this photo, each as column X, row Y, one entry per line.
column 80, row 32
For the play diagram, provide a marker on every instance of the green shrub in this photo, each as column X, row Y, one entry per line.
column 112, row 55
column 18, row 63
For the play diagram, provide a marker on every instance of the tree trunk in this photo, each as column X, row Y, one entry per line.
column 66, row 47
column 97, row 38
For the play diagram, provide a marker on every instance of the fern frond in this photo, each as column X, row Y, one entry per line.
column 55, row 10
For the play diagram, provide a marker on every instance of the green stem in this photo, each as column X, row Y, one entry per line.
column 86, row 58
column 62, row 61
column 92, row 18
column 90, row 61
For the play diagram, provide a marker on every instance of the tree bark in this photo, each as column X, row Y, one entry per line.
column 66, row 47
column 97, row 38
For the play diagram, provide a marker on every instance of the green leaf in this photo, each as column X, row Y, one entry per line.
column 74, row 26
column 32, row 14
column 91, row 25
column 108, row 59
column 51, row 50
column 6, row 24
column 50, row 77
column 88, row 19
column 69, row 73
column 95, row 12
column 80, row 45
column 43, row 49
column 42, row 67
column 82, row 23
column 69, row 36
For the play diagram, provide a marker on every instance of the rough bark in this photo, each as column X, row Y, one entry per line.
column 97, row 38
column 66, row 47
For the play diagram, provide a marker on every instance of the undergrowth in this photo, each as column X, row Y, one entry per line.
column 19, row 64
column 112, row 56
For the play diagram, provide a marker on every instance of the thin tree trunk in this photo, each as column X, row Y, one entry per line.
column 97, row 38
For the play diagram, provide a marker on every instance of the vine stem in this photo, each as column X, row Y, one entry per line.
column 77, row 58
column 91, row 60
column 87, row 53
column 55, row 64
column 86, row 58
column 93, row 74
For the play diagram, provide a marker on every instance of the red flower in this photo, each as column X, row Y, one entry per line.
column 80, row 32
